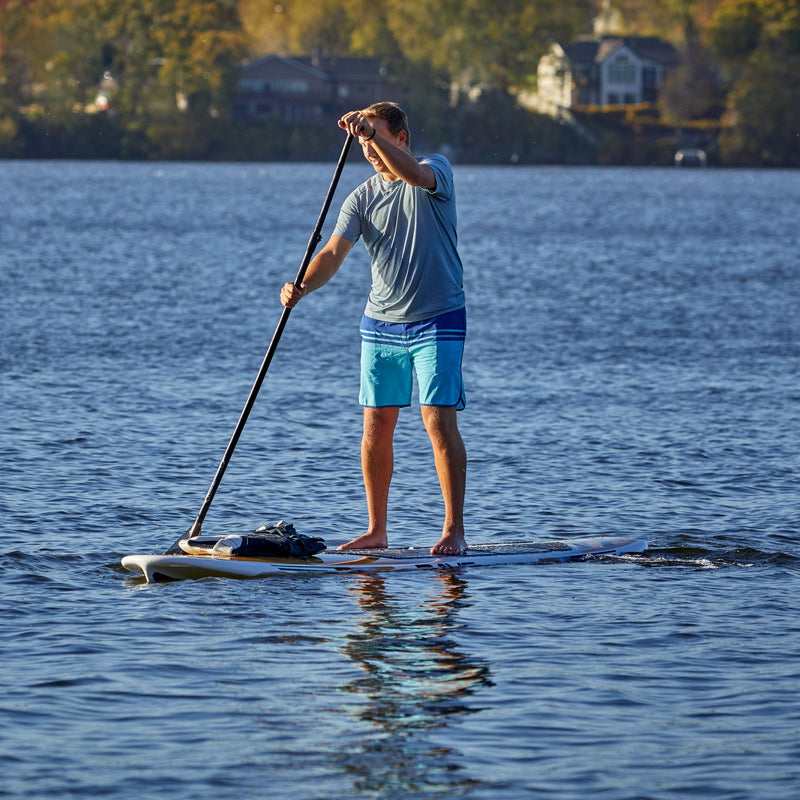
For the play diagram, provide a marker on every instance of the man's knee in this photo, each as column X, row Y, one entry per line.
column 379, row 423
column 441, row 422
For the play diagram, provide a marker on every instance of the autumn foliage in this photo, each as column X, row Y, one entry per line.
column 156, row 78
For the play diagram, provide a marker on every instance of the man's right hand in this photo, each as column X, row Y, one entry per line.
column 290, row 294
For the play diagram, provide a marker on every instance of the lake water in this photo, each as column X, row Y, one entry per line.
column 632, row 367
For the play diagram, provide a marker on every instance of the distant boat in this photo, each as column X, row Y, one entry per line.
column 691, row 157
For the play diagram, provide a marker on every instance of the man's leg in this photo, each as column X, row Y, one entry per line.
column 451, row 466
column 377, row 464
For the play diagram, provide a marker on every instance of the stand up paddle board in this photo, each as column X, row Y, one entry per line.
column 202, row 562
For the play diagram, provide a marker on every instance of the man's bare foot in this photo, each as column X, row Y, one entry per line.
column 366, row 540
column 451, row 544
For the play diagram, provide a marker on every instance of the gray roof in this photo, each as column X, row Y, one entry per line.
column 595, row 51
column 320, row 67
column 349, row 67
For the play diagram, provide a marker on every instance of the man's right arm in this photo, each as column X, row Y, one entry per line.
column 321, row 269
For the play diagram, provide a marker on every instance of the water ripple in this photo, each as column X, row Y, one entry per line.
column 636, row 373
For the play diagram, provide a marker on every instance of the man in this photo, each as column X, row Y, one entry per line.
column 415, row 318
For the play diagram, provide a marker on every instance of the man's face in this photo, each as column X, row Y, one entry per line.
column 369, row 151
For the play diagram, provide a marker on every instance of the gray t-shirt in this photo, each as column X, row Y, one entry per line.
column 410, row 235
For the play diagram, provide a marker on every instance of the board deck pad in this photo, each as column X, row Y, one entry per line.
column 172, row 566
column 472, row 550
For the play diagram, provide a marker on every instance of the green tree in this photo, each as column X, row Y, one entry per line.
column 474, row 43
column 736, row 31
column 678, row 21
column 13, row 71
column 171, row 57
column 161, row 59
column 201, row 44
column 759, row 42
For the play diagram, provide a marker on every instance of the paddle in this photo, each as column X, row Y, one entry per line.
column 315, row 239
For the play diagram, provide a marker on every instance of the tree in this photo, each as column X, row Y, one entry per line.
column 473, row 43
column 13, row 71
column 201, row 44
column 759, row 42
column 155, row 59
column 736, row 31
column 764, row 107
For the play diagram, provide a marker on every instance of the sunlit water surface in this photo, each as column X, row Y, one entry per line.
column 632, row 368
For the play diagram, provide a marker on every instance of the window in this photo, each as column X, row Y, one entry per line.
column 288, row 86
column 621, row 70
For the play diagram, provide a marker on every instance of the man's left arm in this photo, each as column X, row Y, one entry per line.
column 404, row 164
column 400, row 160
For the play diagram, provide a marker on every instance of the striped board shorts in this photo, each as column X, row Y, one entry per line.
column 393, row 352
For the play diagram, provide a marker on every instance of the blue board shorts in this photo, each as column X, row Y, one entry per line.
column 393, row 352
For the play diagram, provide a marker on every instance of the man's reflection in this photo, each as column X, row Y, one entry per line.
column 416, row 680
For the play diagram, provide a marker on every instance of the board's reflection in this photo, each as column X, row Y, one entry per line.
column 415, row 679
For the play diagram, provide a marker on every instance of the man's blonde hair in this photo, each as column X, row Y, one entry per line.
column 391, row 113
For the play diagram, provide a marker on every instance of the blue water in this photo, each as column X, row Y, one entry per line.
column 632, row 367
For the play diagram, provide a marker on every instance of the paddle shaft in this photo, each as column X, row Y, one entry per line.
column 315, row 239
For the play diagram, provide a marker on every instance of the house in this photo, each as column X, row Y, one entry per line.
column 606, row 71
column 312, row 89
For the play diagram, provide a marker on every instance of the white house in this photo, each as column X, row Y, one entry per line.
column 607, row 71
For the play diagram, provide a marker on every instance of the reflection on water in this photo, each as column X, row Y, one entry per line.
column 416, row 679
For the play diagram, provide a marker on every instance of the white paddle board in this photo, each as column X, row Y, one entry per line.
column 177, row 567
